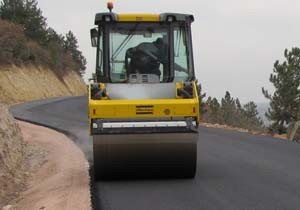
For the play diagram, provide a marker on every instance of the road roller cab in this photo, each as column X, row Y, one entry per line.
column 143, row 106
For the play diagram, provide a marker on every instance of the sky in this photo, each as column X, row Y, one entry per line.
column 235, row 42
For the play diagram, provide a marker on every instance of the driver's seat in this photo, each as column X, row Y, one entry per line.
column 140, row 60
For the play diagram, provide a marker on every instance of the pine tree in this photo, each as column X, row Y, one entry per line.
column 35, row 22
column 40, row 45
column 251, row 114
column 12, row 10
column 250, row 110
column 213, row 112
column 27, row 14
column 232, row 112
column 55, row 44
column 228, row 108
column 53, row 36
column 285, row 101
column 216, row 113
column 71, row 46
column 238, row 105
column 215, row 106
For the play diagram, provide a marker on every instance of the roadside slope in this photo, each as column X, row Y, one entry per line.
column 40, row 168
column 27, row 83
column 62, row 182
column 13, row 152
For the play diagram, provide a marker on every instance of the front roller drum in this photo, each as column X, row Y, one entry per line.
column 132, row 156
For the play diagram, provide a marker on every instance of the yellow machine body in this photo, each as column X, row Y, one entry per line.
column 138, row 17
column 151, row 108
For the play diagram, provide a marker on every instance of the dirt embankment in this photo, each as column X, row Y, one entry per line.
column 62, row 182
column 40, row 168
column 44, row 166
column 20, row 84
column 13, row 153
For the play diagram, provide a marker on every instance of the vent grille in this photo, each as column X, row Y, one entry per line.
column 144, row 110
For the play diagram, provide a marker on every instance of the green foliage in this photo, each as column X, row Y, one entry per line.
column 228, row 109
column 29, row 40
column 285, row 101
column 71, row 46
column 12, row 10
column 27, row 14
column 231, row 112
column 16, row 48
column 250, row 115
column 213, row 114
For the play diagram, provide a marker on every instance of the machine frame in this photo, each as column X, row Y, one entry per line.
column 143, row 136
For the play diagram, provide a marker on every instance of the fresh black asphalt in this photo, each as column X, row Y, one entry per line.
column 236, row 170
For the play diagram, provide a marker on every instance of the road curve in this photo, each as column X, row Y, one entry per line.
column 236, row 171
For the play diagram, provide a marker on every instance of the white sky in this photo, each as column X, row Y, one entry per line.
column 236, row 42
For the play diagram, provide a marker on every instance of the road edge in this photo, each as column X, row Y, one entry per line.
column 71, row 146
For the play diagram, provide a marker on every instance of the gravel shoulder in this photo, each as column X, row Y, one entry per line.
column 62, row 182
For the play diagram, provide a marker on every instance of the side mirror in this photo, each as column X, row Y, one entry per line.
column 94, row 37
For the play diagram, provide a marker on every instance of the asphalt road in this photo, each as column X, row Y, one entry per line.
column 235, row 170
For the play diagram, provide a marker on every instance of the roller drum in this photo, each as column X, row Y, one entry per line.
column 134, row 156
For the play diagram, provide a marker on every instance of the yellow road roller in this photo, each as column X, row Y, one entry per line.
column 143, row 102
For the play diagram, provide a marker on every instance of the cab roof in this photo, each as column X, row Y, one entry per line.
column 164, row 17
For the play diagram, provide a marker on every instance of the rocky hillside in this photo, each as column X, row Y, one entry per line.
column 12, row 156
column 32, row 69
column 19, row 84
